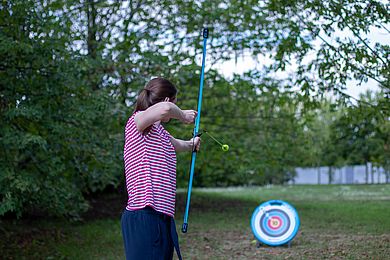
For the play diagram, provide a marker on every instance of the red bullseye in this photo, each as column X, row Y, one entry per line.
column 274, row 222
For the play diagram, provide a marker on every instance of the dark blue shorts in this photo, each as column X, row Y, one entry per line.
column 148, row 234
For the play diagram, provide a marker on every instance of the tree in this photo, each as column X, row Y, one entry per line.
column 71, row 70
column 56, row 133
column 321, row 151
column 358, row 133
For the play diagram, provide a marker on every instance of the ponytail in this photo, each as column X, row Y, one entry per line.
column 143, row 100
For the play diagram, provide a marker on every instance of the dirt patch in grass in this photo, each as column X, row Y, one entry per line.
column 30, row 242
column 30, row 236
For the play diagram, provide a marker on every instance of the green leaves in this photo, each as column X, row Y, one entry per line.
column 70, row 72
column 55, row 133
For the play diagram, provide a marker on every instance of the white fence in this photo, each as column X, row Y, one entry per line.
column 346, row 175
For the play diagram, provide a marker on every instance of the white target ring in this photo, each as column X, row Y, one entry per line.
column 275, row 223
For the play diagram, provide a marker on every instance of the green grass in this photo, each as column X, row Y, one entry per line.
column 337, row 222
column 97, row 240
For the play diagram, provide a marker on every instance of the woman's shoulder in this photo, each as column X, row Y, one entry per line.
column 135, row 113
column 130, row 121
column 132, row 116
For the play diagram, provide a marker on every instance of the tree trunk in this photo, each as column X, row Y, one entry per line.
column 91, row 40
column 379, row 174
column 319, row 174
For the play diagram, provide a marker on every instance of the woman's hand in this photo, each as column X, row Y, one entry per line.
column 186, row 146
column 189, row 116
column 196, row 143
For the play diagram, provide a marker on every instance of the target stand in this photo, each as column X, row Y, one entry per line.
column 275, row 223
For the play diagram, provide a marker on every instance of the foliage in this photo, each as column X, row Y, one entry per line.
column 70, row 72
column 361, row 134
column 56, row 137
column 297, row 35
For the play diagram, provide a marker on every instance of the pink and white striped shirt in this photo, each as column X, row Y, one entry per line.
column 150, row 168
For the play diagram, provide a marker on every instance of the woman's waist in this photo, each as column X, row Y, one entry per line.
column 165, row 215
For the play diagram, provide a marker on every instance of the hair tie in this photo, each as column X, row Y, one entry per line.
column 147, row 91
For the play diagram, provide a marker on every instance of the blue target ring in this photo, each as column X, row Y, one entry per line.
column 275, row 222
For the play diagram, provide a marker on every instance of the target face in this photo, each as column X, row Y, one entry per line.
column 275, row 222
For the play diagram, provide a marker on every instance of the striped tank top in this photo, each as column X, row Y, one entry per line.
column 150, row 168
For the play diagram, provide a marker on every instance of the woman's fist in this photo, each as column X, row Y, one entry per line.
column 195, row 144
column 189, row 116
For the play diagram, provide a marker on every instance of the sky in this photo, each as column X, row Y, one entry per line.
column 246, row 63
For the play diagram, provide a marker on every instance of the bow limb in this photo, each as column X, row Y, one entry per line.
column 196, row 133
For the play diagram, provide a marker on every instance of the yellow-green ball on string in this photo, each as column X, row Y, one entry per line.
column 225, row 147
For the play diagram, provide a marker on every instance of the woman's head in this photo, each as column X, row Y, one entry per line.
column 156, row 90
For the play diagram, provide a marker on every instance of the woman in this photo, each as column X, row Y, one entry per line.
column 148, row 228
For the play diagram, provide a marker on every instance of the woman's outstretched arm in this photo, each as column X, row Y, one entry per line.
column 184, row 146
column 163, row 111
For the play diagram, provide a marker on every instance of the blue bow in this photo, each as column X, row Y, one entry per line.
column 196, row 133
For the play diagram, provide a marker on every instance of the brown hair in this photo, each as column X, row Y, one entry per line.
column 156, row 90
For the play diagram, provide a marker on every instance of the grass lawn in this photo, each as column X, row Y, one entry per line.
column 337, row 222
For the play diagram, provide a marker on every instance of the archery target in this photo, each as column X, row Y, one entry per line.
column 275, row 222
